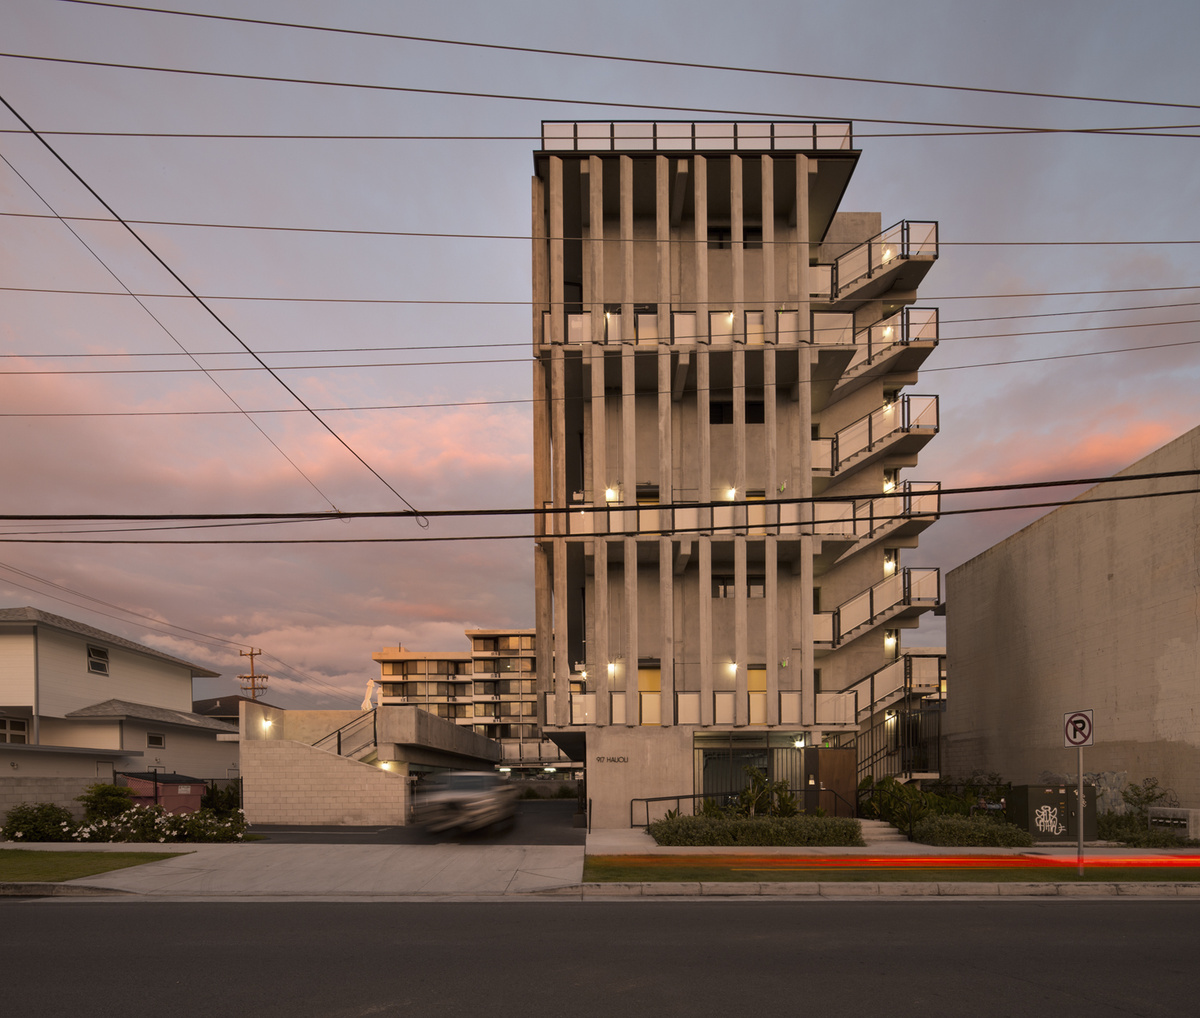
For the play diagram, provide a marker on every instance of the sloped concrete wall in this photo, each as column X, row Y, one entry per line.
column 286, row 782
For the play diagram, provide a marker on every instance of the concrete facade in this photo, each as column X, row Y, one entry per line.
column 297, row 770
column 1094, row 606
column 720, row 426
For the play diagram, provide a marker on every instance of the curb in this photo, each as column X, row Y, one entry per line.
column 868, row 889
column 46, row 889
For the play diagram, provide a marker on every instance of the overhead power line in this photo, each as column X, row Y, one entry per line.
column 553, row 100
column 376, row 514
column 212, row 314
column 443, row 539
column 649, row 61
column 528, row 238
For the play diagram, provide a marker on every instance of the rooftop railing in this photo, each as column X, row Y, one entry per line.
column 695, row 136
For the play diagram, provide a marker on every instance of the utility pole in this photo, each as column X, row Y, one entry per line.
column 252, row 683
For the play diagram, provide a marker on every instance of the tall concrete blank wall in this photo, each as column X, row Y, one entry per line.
column 286, row 782
column 1092, row 607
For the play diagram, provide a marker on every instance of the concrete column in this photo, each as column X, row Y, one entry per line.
column 770, row 299
column 700, row 245
column 771, row 636
column 599, row 651
column 602, row 474
column 705, row 648
column 737, row 246
column 562, row 666
column 741, row 715
column 596, row 243
column 632, row 712
column 556, row 249
column 627, row 325
column 666, row 611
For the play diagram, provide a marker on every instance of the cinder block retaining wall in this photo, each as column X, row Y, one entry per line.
column 59, row 790
column 286, row 782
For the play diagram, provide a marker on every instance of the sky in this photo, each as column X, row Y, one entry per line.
column 1057, row 359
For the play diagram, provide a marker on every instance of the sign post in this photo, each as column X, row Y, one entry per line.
column 1078, row 732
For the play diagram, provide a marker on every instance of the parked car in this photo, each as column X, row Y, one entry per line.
column 464, row 801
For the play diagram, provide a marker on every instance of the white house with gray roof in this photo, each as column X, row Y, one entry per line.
column 78, row 704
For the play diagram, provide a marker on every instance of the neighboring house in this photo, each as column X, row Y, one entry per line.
column 490, row 689
column 717, row 346
column 78, row 704
column 1096, row 606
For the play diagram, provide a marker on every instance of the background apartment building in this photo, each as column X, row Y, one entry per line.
column 716, row 347
column 490, row 688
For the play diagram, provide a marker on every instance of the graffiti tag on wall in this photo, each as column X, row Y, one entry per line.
column 1046, row 820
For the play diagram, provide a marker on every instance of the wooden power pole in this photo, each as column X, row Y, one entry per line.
column 253, row 683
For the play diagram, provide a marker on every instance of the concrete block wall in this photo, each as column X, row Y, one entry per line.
column 286, row 782
column 60, row 791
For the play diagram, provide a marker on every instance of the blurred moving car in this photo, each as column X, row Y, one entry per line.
column 464, row 801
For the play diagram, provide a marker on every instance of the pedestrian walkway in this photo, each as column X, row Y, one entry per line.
column 263, row 870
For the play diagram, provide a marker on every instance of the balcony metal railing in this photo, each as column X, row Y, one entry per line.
column 880, row 254
column 862, row 518
column 908, row 414
column 906, row 588
column 698, row 135
column 912, row 673
column 910, row 325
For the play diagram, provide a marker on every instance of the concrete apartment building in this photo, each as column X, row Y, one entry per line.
column 715, row 347
column 489, row 688
column 1092, row 607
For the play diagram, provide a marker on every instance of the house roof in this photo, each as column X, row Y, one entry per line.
column 225, row 706
column 36, row 616
column 113, row 709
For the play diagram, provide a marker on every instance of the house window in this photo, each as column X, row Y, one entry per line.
column 14, row 730
column 155, row 741
column 97, row 658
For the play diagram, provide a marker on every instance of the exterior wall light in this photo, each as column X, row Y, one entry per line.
column 612, row 668
column 267, row 723
column 385, row 765
column 733, row 668
column 731, row 493
column 505, row 770
column 798, row 742
column 550, row 770
column 610, row 494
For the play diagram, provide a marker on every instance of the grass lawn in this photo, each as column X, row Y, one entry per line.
column 26, row 864
column 927, row 869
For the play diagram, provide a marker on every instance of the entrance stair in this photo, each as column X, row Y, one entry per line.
column 880, row 832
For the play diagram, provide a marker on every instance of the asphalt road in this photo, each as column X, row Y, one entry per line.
column 538, row 822
column 983, row 959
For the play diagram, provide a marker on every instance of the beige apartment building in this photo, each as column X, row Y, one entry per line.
column 725, row 426
column 490, row 688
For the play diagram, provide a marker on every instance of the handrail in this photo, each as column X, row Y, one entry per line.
column 902, row 240
column 338, row 733
column 865, row 433
column 882, row 597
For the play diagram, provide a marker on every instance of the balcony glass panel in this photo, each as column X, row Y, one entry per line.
column 683, row 325
column 835, row 709
column 922, row 412
column 834, row 518
column 831, row 136
column 924, row 584
column 820, row 282
column 789, row 708
column 583, row 708
column 558, row 136
column 823, row 627
column 758, row 708
column 833, row 328
column 720, row 328
column 723, row 703
column 755, row 329
column 687, row 708
column 647, row 328
column 633, row 136
column 922, row 325
column 579, row 328
column 794, row 137
column 612, row 327
column 714, row 136
column 674, row 136
column 617, row 707
column 822, row 453
column 651, row 706
column 754, row 136
column 787, row 328
column 594, row 136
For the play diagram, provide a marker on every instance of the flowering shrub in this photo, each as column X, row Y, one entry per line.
column 43, row 821
column 154, row 823
column 38, row 821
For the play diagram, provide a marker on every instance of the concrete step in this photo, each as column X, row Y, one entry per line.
column 876, row 832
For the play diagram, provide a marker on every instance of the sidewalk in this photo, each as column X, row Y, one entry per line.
column 308, row 871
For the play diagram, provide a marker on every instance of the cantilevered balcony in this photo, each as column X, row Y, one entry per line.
column 848, row 527
column 914, row 673
column 905, row 594
column 896, row 259
column 898, row 345
column 899, row 428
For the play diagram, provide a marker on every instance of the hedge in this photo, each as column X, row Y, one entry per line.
column 969, row 832
column 757, row 832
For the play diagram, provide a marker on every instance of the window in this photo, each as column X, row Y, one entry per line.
column 757, row 586
column 14, row 730
column 723, row 586
column 756, row 411
column 720, row 411
column 720, row 238
column 647, row 494
column 752, row 238
column 97, row 660
column 155, row 741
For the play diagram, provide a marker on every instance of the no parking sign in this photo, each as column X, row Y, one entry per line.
column 1077, row 729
